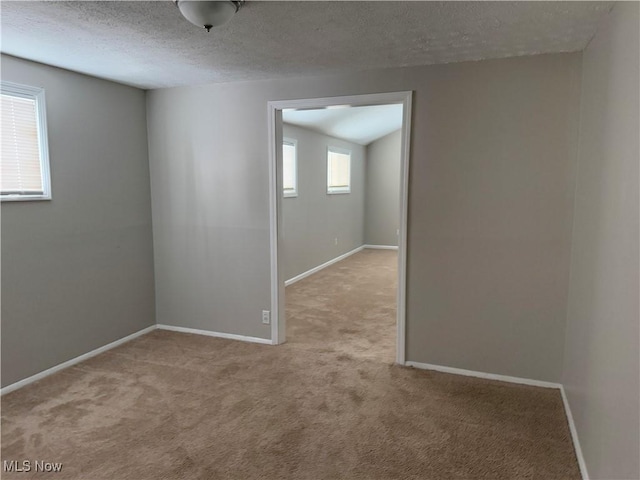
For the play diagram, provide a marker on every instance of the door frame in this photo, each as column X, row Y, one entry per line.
column 404, row 98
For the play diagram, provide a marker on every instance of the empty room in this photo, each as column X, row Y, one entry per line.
column 220, row 261
column 340, row 209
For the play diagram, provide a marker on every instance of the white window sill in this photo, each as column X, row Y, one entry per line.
column 23, row 198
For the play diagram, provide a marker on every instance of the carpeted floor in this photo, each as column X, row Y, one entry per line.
column 348, row 309
column 329, row 404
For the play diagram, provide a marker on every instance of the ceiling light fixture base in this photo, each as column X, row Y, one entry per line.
column 208, row 14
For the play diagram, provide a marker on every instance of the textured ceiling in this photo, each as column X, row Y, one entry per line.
column 150, row 45
column 361, row 125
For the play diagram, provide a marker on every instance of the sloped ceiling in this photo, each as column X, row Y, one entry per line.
column 361, row 125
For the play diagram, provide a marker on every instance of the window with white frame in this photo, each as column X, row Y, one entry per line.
column 290, row 167
column 338, row 170
column 24, row 165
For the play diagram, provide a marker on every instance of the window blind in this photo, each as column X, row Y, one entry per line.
column 21, row 167
column 289, row 168
column 338, row 171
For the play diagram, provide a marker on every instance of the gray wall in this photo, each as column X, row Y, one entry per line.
column 601, row 371
column 382, row 204
column 313, row 220
column 77, row 271
column 490, row 206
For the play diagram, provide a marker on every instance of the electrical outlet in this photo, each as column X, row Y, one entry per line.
column 266, row 317
column 335, row 240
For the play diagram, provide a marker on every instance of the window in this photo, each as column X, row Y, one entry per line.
column 338, row 170
column 24, row 165
column 290, row 167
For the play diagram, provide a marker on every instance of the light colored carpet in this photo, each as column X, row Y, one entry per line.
column 348, row 309
column 329, row 404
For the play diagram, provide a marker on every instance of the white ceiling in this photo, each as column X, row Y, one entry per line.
column 150, row 45
column 361, row 125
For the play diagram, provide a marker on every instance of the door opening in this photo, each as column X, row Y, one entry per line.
column 280, row 189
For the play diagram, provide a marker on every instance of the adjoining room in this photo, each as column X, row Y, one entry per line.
column 341, row 224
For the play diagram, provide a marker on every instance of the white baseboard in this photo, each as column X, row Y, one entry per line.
column 297, row 278
column 488, row 376
column 109, row 346
column 382, row 247
column 574, row 436
column 209, row 333
column 231, row 336
column 521, row 381
column 73, row 361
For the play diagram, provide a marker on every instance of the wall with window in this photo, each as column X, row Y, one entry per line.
column 77, row 270
column 24, row 165
column 320, row 225
column 382, row 200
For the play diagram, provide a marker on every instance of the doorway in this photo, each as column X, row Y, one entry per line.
column 275, row 110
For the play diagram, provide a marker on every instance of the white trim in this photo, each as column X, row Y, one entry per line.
column 36, row 94
column 488, row 376
column 522, row 381
column 381, row 247
column 209, row 333
column 297, row 278
column 69, row 363
column 401, row 337
column 278, row 327
column 574, row 435
column 274, row 115
column 73, row 361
